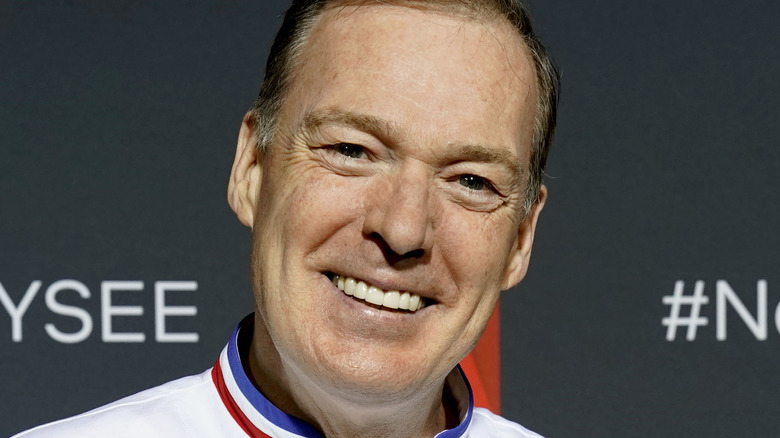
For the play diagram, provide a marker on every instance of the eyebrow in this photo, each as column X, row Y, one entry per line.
column 332, row 116
column 484, row 154
column 384, row 129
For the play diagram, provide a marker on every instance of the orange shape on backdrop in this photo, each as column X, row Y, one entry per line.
column 483, row 367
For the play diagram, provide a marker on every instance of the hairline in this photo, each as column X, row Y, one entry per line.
column 266, row 132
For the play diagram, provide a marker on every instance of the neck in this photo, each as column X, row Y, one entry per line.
column 424, row 414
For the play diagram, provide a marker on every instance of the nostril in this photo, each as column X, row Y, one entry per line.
column 390, row 255
column 416, row 254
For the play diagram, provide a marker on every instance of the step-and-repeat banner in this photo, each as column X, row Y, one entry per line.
column 651, row 308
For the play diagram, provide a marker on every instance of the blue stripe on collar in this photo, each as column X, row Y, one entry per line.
column 261, row 404
column 460, row 430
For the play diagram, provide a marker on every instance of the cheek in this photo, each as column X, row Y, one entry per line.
column 317, row 211
column 317, row 200
column 476, row 246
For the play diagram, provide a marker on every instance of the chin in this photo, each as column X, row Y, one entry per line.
column 361, row 376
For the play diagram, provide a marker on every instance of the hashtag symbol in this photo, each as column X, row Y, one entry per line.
column 693, row 320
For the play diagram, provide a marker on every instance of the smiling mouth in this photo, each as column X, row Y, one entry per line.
column 392, row 299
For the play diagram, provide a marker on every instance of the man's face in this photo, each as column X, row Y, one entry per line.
column 400, row 162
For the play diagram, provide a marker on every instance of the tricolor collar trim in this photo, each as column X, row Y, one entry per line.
column 270, row 419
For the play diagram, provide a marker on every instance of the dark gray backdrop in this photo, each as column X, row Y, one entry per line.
column 117, row 127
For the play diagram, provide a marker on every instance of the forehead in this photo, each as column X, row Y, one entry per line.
column 445, row 77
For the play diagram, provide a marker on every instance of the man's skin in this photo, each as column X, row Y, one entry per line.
column 401, row 160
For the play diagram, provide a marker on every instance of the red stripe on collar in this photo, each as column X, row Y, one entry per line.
column 232, row 407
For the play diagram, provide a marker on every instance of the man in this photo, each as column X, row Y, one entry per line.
column 390, row 172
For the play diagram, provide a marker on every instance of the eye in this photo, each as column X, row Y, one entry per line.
column 349, row 150
column 474, row 182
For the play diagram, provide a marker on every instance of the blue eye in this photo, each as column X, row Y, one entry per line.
column 349, row 150
column 473, row 182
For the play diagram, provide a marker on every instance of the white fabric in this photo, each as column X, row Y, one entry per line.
column 187, row 407
column 192, row 407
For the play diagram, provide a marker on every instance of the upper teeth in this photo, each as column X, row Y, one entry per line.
column 392, row 299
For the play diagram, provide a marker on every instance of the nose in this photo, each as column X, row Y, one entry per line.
column 399, row 215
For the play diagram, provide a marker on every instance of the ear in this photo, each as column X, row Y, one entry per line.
column 246, row 174
column 521, row 253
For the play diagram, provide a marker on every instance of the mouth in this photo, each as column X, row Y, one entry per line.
column 376, row 297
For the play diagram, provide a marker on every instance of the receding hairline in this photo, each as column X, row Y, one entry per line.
column 509, row 37
column 294, row 36
column 484, row 12
column 481, row 11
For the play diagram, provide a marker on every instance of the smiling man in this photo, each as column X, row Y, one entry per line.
column 390, row 172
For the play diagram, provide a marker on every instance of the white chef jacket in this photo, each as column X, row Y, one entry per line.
column 222, row 402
